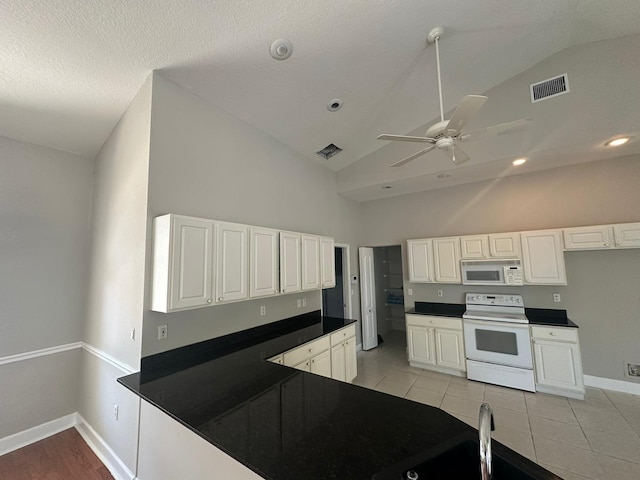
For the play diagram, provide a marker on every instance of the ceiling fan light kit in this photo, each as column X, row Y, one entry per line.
column 445, row 134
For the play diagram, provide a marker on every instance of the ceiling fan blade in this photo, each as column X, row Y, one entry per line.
column 456, row 155
column 499, row 129
column 413, row 157
column 405, row 138
column 468, row 107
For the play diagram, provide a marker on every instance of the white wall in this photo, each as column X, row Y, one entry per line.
column 206, row 163
column 45, row 205
column 116, row 283
column 601, row 295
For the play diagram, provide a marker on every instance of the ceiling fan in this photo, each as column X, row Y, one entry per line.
column 446, row 134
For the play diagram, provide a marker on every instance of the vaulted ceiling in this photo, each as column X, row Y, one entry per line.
column 71, row 67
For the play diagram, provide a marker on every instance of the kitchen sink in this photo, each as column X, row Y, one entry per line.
column 459, row 458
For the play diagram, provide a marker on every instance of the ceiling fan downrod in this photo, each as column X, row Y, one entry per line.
column 434, row 37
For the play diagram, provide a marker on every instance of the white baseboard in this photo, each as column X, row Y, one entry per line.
column 611, row 384
column 106, row 455
column 37, row 433
column 103, row 451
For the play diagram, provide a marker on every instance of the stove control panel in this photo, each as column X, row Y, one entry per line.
column 494, row 299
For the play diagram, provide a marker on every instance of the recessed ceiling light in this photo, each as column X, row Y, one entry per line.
column 334, row 105
column 386, row 186
column 281, row 49
column 616, row 142
column 519, row 161
column 443, row 175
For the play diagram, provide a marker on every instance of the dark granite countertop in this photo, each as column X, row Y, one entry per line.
column 536, row 316
column 283, row 423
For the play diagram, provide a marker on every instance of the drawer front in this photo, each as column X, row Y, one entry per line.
column 551, row 333
column 306, row 351
column 435, row 321
column 342, row 334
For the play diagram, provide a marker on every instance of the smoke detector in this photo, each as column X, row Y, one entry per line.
column 281, row 49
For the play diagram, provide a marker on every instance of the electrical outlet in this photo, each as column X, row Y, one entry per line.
column 556, row 298
column 115, row 411
column 633, row 370
column 410, row 292
column 439, row 293
column 304, row 302
column 263, row 310
column 132, row 334
column 162, row 332
column 299, row 303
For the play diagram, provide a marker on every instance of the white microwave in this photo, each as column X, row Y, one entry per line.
column 492, row 272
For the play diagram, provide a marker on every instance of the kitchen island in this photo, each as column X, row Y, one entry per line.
column 282, row 423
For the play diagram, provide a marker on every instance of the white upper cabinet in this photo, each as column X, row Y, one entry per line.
column 627, row 235
column 420, row 257
column 290, row 262
column 263, row 262
column 182, row 263
column 327, row 262
column 231, row 272
column 543, row 257
column 310, row 262
column 446, row 260
column 588, row 238
column 505, row 245
column 474, row 246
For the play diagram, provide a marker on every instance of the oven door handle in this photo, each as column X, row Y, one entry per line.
column 484, row 323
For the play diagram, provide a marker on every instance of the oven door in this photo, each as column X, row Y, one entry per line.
column 498, row 342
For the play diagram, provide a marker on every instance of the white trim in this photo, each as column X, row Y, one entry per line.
column 127, row 369
column 39, row 353
column 37, row 433
column 612, row 384
column 103, row 451
column 19, row 357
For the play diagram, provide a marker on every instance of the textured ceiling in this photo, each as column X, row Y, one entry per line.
column 69, row 68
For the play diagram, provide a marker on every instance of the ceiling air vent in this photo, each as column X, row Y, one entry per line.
column 329, row 151
column 551, row 87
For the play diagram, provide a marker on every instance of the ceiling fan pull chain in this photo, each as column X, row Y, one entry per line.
column 439, row 81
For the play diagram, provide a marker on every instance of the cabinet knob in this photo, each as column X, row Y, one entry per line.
column 553, row 334
column 208, row 300
column 275, row 291
column 606, row 244
column 310, row 350
column 535, row 342
column 283, row 290
column 219, row 299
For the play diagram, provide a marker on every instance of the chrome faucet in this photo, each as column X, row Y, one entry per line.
column 486, row 426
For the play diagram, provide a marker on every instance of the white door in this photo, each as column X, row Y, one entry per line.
column 474, row 246
column 350, row 359
column 627, row 235
column 450, row 349
column 446, row 260
column 558, row 364
column 543, row 257
column 420, row 260
column 368, row 299
column 327, row 262
column 321, row 364
column 506, row 245
column 310, row 262
column 338, row 363
column 232, row 268
column 588, row 238
column 263, row 259
column 421, row 343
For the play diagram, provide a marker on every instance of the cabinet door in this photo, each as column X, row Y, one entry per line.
column 351, row 359
column 420, row 341
column 627, row 235
column 446, row 260
column 504, row 245
column 588, row 238
column 558, row 364
column 338, row 363
column 420, row 259
column 450, row 349
column 321, row 364
column 474, row 246
column 290, row 262
column 543, row 258
column 310, row 262
column 231, row 278
column 190, row 263
column 263, row 261
column 327, row 262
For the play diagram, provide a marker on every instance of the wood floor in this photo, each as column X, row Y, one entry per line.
column 64, row 456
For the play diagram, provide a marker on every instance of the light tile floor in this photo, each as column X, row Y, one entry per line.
column 598, row 438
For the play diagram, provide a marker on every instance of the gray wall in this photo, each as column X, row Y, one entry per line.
column 45, row 205
column 602, row 291
column 206, row 163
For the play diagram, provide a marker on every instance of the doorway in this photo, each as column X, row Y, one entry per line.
column 336, row 301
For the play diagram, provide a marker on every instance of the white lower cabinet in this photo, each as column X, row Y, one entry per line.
column 332, row 355
column 557, row 360
column 436, row 343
